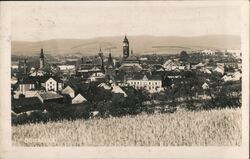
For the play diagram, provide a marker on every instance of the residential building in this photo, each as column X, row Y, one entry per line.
column 149, row 82
column 53, row 84
column 49, row 97
column 78, row 99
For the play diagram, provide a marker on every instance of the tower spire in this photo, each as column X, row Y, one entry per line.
column 41, row 59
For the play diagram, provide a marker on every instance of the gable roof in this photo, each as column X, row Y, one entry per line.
column 79, row 96
column 49, row 95
column 117, row 89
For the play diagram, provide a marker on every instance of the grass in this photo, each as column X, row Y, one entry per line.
column 182, row 128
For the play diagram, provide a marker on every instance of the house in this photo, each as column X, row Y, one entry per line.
column 233, row 77
column 97, row 76
column 130, row 67
column 220, row 70
column 105, row 86
column 205, row 86
column 26, row 104
column 118, row 90
column 49, row 97
column 78, row 99
column 66, row 67
column 75, row 91
column 25, row 85
column 150, row 82
column 36, row 72
column 70, row 91
column 53, row 84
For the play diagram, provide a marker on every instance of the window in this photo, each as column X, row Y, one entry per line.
column 149, row 87
column 50, row 82
column 149, row 83
column 137, row 82
column 155, row 83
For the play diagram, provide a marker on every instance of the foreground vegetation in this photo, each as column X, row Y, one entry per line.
column 181, row 128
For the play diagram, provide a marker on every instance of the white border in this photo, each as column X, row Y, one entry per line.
column 7, row 151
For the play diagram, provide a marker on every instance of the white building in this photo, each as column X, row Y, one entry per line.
column 208, row 52
column 149, row 83
column 96, row 76
column 66, row 67
column 53, row 84
column 220, row 70
column 78, row 99
column 105, row 86
column 205, row 86
column 37, row 73
column 234, row 77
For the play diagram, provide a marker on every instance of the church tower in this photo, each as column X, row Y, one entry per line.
column 125, row 47
column 110, row 68
column 41, row 59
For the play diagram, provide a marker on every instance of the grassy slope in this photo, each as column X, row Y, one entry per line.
column 206, row 128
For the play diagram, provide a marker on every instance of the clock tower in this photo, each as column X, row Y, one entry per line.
column 41, row 59
column 125, row 47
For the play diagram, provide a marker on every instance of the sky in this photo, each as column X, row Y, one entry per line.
column 33, row 21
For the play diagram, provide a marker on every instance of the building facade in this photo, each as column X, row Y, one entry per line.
column 149, row 83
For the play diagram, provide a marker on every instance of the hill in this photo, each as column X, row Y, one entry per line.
column 140, row 45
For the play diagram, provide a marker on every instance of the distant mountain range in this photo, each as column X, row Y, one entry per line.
column 139, row 44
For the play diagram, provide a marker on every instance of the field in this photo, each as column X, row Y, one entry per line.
column 182, row 128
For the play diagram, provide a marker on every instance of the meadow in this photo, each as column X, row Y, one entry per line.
column 181, row 128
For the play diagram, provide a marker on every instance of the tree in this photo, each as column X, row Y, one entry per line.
column 183, row 56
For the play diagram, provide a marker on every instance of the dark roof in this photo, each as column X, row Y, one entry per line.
column 39, row 79
column 25, row 101
column 140, row 76
column 85, row 66
column 79, row 88
column 125, row 39
column 27, row 80
column 57, row 79
column 49, row 95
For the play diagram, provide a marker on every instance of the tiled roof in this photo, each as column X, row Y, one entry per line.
column 140, row 76
column 25, row 101
column 49, row 95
